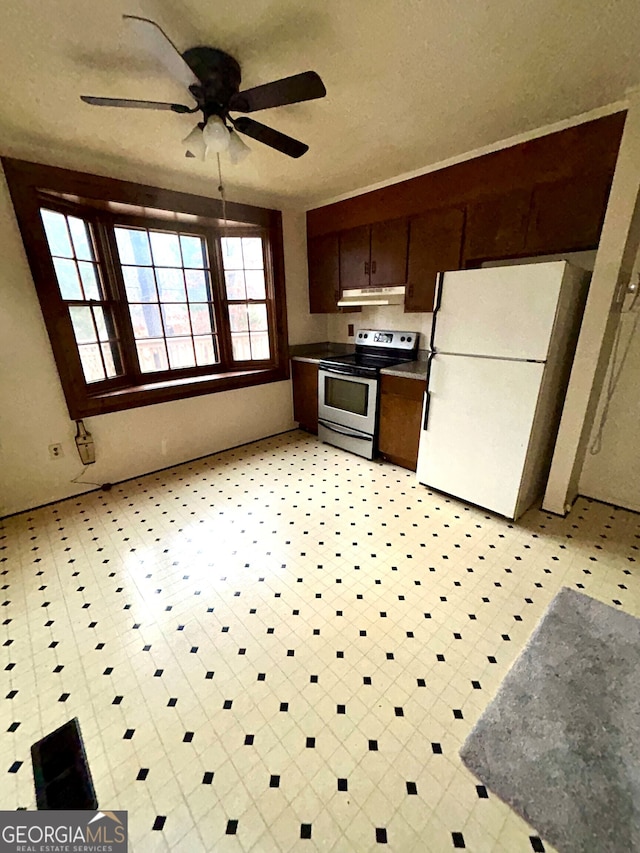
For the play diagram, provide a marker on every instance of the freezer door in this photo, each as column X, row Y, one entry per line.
column 504, row 312
column 480, row 415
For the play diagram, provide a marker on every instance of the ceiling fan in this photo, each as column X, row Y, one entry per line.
column 212, row 77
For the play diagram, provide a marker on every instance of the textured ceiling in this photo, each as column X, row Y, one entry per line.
column 409, row 82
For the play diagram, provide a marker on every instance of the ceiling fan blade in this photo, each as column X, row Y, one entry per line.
column 132, row 104
column 160, row 45
column 269, row 136
column 290, row 90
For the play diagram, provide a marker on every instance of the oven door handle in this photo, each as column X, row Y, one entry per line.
column 346, row 431
column 347, row 372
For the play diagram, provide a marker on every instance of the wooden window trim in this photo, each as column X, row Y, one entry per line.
column 33, row 185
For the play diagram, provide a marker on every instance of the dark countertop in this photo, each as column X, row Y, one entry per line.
column 410, row 370
column 314, row 353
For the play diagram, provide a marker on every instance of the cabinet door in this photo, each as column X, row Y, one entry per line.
column 324, row 274
column 354, row 257
column 400, row 414
column 435, row 245
column 305, row 394
column 568, row 215
column 389, row 243
column 497, row 227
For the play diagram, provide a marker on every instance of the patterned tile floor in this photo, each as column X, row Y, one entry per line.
column 282, row 647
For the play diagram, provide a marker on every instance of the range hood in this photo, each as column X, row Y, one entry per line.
column 372, row 296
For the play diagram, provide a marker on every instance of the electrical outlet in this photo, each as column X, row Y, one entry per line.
column 55, row 451
column 350, row 329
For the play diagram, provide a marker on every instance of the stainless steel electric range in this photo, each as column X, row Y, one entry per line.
column 348, row 387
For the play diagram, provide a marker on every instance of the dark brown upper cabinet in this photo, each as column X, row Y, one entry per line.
column 374, row 256
column 324, row 274
column 355, row 257
column 435, row 245
column 497, row 227
column 568, row 215
column 389, row 242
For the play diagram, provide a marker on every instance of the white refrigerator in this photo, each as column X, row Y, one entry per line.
column 502, row 346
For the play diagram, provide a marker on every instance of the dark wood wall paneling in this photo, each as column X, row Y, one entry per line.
column 586, row 150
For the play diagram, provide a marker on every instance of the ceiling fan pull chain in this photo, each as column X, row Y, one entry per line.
column 222, row 196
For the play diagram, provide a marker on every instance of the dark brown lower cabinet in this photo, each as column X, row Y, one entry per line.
column 304, row 376
column 400, row 415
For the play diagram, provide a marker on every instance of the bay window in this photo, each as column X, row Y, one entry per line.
column 149, row 302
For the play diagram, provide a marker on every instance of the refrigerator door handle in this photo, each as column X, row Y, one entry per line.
column 427, row 397
column 427, row 403
column 436, row 307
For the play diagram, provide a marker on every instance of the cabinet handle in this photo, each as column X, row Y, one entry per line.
column 373, row 267
column 410, row 290
column 366, row 267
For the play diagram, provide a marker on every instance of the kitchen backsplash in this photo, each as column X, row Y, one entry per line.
column 387, row 317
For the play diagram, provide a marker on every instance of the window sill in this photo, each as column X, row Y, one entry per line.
column 166, row 391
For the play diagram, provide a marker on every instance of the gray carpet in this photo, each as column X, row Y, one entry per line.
column 560, row 743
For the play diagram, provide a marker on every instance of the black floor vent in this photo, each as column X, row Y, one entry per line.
column 61, row 772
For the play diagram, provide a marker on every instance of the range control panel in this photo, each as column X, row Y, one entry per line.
column 387, row 339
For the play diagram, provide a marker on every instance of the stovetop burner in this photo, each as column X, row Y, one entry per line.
column 375, row 350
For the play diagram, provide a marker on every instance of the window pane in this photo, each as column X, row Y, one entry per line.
column 82, row 325
column 89, row 280
column 145, row 320
column 252, row 253
column 201, row 319
column 152, row 355
column 80, row 236
column 140, row 284
column 197, row 285
column 258, row 317
column 180, row 352
column 171, row 285
column 176, row 320
column 238, row 318
column 235, row 284
column 57, row 235
column 133, row 246
column 255, row 284
column 206, row 351
column 166, row 249
column 260, row 345
column 91, row 362
column 98, row 314
column 107, row 354
column 68, row 280
column 232, row 253
column 241, row 347
column 192, row 252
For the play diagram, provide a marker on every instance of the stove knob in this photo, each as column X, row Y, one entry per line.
column 366, row 336
column 402, row 338
column 359, row 334
column 408, row 340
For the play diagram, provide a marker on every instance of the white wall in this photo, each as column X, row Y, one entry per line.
column 33, row 413
column 615, row 259
column 304, row 328
column 612, row 473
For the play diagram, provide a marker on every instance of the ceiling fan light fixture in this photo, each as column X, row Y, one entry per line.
column 195, row 144
column 238, row 151
column 216, row 135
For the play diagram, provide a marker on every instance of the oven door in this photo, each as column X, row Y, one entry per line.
column 349, row 401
